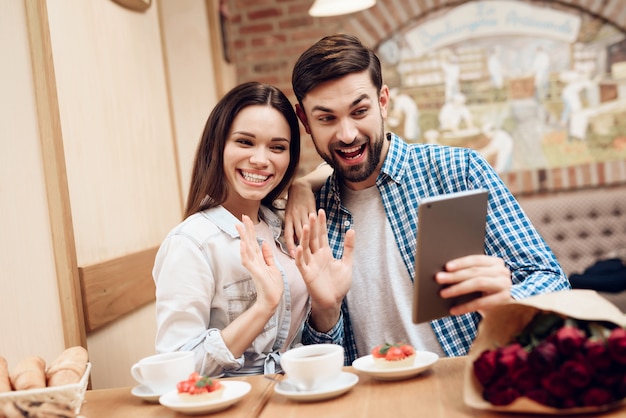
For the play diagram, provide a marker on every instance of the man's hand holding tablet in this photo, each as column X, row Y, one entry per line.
column 452, row 274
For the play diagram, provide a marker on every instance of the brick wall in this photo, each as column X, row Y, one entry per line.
column 265, row 38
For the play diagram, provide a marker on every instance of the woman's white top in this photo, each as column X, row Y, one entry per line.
column 201, row 286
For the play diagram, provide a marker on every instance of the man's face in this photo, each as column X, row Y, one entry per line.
column 345, row 118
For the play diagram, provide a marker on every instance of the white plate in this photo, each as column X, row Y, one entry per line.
column 233, row 391
column 145, row 393
column 344, row 383
column 423, row 361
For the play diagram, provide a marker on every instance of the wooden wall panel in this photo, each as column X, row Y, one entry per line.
column 92, row 184
column 53, row 159
column 113, row 102
column 192, row 87
column 114, row 288
column 121, row 165
column 29, row 302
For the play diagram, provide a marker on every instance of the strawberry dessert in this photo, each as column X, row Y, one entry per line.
column 199, row 388
column 393, row 356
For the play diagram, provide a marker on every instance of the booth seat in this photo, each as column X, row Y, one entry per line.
column 583, row 227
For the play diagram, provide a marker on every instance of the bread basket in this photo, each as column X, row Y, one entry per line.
column 67, row 398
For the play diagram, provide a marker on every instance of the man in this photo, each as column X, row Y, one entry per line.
column 455, row 116
column 541, row 71
column 377, row 183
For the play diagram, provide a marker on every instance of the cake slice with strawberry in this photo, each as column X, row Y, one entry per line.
column 199, row 388
column 393, row 356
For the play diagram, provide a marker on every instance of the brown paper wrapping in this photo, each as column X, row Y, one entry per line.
column 501, row 324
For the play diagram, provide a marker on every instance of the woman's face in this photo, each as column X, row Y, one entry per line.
column 256, row 154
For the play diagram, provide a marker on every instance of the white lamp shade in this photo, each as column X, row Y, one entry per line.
column 322, row 8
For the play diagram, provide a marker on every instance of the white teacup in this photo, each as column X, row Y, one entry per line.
column 161, row 372
column 310, row 367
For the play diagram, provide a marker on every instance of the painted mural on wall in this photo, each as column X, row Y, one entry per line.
column 528, row 87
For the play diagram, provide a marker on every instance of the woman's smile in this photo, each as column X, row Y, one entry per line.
column 255, row 178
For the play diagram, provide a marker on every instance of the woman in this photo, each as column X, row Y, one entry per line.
column 236, row 304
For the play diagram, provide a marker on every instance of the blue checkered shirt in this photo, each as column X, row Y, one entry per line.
column 412, row 172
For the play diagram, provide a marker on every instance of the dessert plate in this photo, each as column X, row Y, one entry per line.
column 423, row 361
column 145, row 393
column 234, row 390
column 344, row 383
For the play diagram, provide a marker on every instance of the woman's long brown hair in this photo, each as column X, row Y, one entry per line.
column 208, row 182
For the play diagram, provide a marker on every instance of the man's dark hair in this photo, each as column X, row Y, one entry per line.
column 330, row 58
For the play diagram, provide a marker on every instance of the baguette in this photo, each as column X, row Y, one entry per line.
column 5, row 381
column 29, row 373
column 68, row 367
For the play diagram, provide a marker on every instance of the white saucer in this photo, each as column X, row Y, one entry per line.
column 233, row 391
column 423, row 361
column 145, row 393
column 344, row 383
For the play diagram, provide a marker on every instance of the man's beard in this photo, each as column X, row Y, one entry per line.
column 360, row 172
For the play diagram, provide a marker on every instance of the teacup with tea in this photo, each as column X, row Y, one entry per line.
column 311, row 367
column 161, row 372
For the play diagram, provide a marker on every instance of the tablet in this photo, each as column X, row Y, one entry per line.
column 448, row 226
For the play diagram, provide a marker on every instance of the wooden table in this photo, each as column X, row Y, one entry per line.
column 436, row 393
column 120, row 403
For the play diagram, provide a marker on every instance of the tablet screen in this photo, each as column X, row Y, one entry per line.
column 448, row 226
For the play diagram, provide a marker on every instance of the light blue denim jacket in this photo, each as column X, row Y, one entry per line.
column 202, row 286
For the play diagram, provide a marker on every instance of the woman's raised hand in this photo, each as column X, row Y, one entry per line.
column 327, row 279
column 260, row 263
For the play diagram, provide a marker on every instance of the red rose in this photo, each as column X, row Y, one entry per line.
column 596, row 397
column 541, row 396
column 510, row 358
column 617, row 345
column 544, row 357
column 524, row 379
column 557, row 385
column 500, row 394
column 609, row 377
column 576, row 373
column 485, row 366
column 568, row 403
column 597, row 354
column 620, row 387
column 569, row 339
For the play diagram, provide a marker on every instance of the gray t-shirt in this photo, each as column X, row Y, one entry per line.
column 381, row 295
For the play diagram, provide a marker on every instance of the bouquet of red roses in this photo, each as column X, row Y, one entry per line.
column 559, row 362
column 550, row 353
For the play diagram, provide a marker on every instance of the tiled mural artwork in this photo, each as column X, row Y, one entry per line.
column 529, row 87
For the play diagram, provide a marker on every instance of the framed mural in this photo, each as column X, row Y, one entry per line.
column 529, row 87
